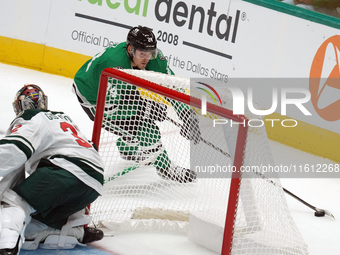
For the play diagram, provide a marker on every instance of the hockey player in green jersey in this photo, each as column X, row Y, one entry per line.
column 65, row 175
column 132, row 117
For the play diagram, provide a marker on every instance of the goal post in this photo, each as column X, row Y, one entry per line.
column 238, row 203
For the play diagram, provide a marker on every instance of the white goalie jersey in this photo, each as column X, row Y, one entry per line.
column 38, row 134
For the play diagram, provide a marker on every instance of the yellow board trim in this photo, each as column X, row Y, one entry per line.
column 40, row 57
column 304, row 136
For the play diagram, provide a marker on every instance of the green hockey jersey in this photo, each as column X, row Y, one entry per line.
column 87, row 77
column 122, row 99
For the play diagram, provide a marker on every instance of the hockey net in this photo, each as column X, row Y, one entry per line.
column 248, row 210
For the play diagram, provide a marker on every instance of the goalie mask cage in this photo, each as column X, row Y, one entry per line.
column 249, row 215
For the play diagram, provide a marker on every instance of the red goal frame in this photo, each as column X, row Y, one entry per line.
column 153, row 87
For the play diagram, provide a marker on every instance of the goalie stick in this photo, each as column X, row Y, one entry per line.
column 318, row 212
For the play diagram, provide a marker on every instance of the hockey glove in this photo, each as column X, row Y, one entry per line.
column 190, row 128
column 153, row 110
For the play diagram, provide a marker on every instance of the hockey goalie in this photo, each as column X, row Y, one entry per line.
column 65, row 174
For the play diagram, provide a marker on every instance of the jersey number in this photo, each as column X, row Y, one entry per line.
column 66, row 127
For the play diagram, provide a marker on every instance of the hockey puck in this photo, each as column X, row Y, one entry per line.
column 319, row 213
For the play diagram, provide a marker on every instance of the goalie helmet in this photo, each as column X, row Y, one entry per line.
column 29, row 97
column 142, row 38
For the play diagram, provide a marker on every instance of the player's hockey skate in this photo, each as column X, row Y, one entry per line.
column 177, row 173
column 92, row 235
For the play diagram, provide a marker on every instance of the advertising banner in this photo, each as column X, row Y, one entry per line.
column 219, row 40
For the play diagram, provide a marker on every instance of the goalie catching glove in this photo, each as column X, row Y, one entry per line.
column 153, row 110
column 190, row 128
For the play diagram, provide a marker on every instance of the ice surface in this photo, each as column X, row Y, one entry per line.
column 322, row 235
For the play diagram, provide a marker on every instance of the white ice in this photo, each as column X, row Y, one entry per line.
column 322, row 234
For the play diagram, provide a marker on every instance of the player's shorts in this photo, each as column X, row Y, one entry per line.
column 55, row 194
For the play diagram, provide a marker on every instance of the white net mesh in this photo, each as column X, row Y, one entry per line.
column 150, row 180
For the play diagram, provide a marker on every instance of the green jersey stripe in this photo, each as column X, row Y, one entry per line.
column 21, row 146
column 91, row 171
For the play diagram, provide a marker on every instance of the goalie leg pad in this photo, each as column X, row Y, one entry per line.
column 69, row 236
column 50, row 238
column 14, row 216
column 51, row 243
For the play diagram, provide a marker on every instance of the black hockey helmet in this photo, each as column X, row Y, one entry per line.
column 30, row 96
column 142, row 38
